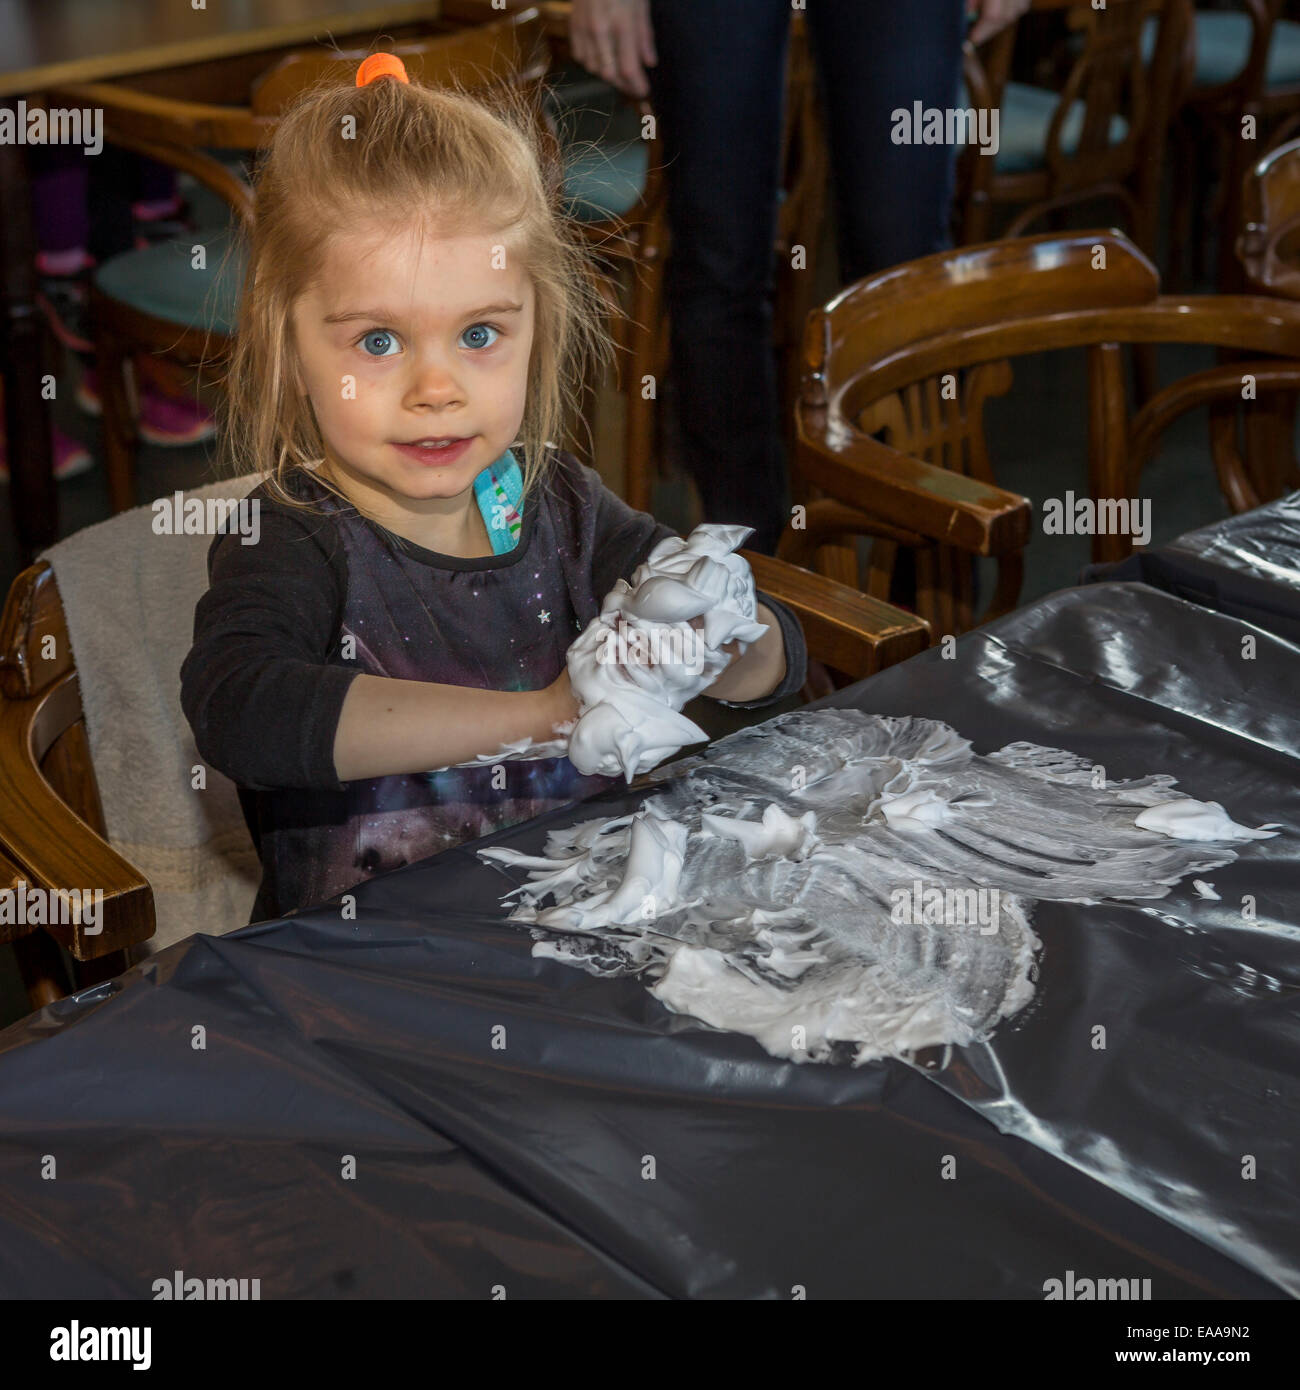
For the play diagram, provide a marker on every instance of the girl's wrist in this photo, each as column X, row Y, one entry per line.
column 756, row 672
column 558, row 705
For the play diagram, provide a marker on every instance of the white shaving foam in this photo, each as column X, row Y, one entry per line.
column 759, row 892
column 629, row 716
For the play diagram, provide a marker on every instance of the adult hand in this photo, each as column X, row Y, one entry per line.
column 615, row 40
column 994, row 15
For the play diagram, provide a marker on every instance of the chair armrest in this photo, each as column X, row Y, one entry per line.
column 178, row 134
column 42, row 837
column 844, row 628
column 162, row 120
column 50, row 845
column 903, row 491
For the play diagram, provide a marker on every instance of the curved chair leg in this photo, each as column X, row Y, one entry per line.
column 119, row 420
column 1145, row 373
column 640, row 418
column 1268, row 445
column 41, row 966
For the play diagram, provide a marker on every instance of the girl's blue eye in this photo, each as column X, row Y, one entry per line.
column 380, row 343
column 475, row 336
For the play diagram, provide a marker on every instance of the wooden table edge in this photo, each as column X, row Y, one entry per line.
column 224, row 45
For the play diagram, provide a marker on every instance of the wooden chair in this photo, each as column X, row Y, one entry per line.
column 52, row 832
column 916, row 351
column 1101, row 137
column 1269, row 251
column 1238, row 64
column 137, row 307
column 1269, row 243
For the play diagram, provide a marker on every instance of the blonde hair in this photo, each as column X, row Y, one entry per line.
column 439, row 157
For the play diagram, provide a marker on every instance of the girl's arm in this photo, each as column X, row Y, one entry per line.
column 271, row 711
column 392, row 726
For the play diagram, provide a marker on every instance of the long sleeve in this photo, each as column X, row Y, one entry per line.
column 623, row 539
column 256, row 686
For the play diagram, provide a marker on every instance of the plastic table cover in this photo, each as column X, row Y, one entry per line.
column 409, row 1104
column 1248, row 565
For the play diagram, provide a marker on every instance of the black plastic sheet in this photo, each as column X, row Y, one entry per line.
column 1247, row 566
column 518, row 1126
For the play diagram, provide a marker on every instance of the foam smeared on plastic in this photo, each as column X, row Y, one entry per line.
column 1185, row 819
column 760, row 891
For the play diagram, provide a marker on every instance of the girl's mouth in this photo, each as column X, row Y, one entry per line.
column 435, row 452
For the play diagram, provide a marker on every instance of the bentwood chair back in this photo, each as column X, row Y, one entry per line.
column 913, row 355
column 1241, row 76
column 1268, row 249
column 1269, row 244
column 1102, row 136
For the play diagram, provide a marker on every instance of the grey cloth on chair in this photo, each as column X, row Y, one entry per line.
column 129, row 593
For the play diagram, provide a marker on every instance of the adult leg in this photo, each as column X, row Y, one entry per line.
column 892, row 201
column 718, row 93
column 874, row 57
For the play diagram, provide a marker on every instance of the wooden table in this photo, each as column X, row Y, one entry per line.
column 44, row 43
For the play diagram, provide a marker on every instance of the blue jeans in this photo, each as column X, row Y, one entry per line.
column 718, row 93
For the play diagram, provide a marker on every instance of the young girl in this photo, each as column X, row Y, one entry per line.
column 416, row 315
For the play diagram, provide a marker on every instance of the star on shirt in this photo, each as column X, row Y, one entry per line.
column 544, row 615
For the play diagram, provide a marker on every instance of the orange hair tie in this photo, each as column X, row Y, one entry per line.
column 381, row 65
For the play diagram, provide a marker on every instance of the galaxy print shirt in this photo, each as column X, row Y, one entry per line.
column 287, row 625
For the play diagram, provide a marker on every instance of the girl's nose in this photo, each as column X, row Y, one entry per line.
column 433, row 385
